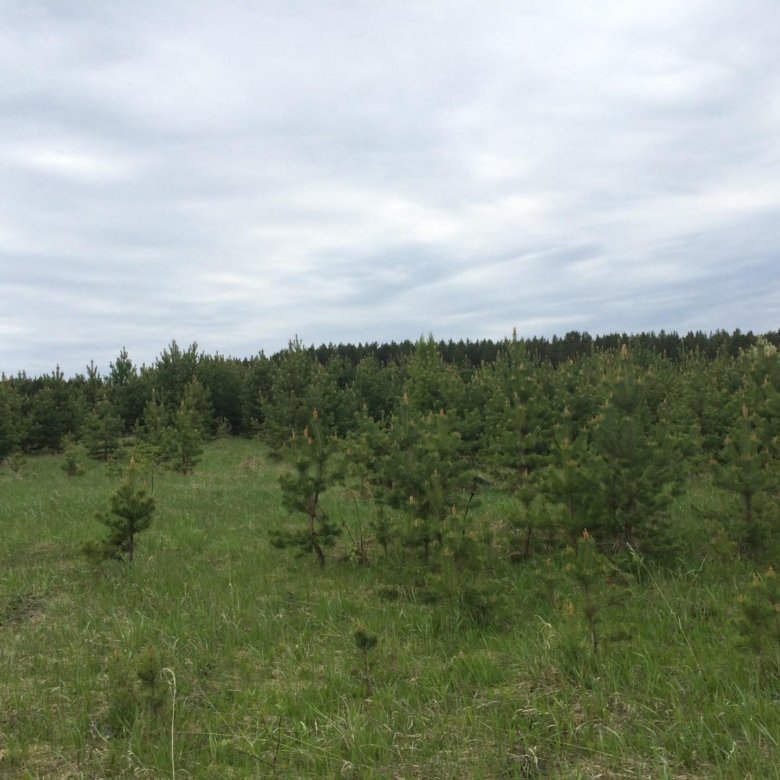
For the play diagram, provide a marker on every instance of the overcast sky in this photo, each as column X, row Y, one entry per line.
column 235, row 173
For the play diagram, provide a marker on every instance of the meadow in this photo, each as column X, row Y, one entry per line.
column 216, row 655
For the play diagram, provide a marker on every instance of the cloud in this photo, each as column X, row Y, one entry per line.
column 234, row 173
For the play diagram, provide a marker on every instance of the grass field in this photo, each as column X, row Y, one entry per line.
column 216, row 655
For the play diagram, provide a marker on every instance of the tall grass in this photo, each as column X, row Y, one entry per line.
column 269, row 681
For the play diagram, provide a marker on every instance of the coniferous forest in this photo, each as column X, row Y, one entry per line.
column 526, row 558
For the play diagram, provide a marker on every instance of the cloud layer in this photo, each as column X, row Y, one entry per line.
column 236, row 173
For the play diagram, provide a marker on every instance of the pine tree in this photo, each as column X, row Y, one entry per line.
column 762, row 393
column 222, row 380
column 154, row 424
column 748, row 471
column 256, row 394
column 516, row 416
column 126, row 391
column 313, row 455
column 102, row 430
column 72, row 452
column 55, row 411
column 173, row 371
column 12, row 423
column 183, row 439
column 431, row 385
column 568, row 480
column 290, row 403
column 416, row 467
column 197, row 401
column 635, row 468
column 91, row 385
column 376, row 387
column 131, row 513
column 598, row 585
column 759, row 621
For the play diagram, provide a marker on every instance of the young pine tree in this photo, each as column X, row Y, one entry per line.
column 749, row 472
column 759, row 621
column 102, row 430
column 568, row 480
column 417, row 468
column 12, row 424
column 302, row 489
column 635, row 466
column 183, row 439
column 597, row 585
column 131, row 513
column 71, row 455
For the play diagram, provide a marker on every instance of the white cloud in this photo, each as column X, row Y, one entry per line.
column 237, row 173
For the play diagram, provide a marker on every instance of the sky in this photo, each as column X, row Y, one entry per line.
column 238, row 173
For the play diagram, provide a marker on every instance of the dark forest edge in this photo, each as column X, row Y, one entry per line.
column 575, row 433
column 39, row 413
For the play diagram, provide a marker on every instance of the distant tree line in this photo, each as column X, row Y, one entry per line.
column 272, row 395
column 572, row 433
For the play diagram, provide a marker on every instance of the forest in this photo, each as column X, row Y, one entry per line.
column 576, row 432
column 571, row 542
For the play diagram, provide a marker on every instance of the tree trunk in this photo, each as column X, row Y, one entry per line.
column 313, row 533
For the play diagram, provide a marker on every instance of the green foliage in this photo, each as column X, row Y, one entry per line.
column 222, row 380
column 517, row 415
column 54, row 412
column 174, row 370
column 102, row 430
column 759, row 620
column 598, row 585
column 15, row 464
column 414, row 465
column 376, row 387
column 149, row 459
column 175, row 439
column 761, row 380
column 256, row 394
column 12, row 424
column 748, row 470
column 365, row 643
column 299, row 383
column 312, row 454
column 182, row 443
column 72, row 458
column 477, row 672
column 127, row 392
column 431, row 385
column 136, row 691
column 569, row 480
column 131, row 513
column 528, row 516
column 154, row 422
column 197, row 403
column 634, row 466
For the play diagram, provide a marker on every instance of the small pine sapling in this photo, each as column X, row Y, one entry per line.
column 183, row 440
column 749, row 472
column 302, row 490
column 72, row 458
column 597, row 586
column 425, row 476
column 567, row 479
column 525, row 511
column 15, row 463
column 131, row 512
column 135, row 690
column 365, row 643
column 102, row 430
column 759, row 622
column 148, row 458
column 633, row 463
